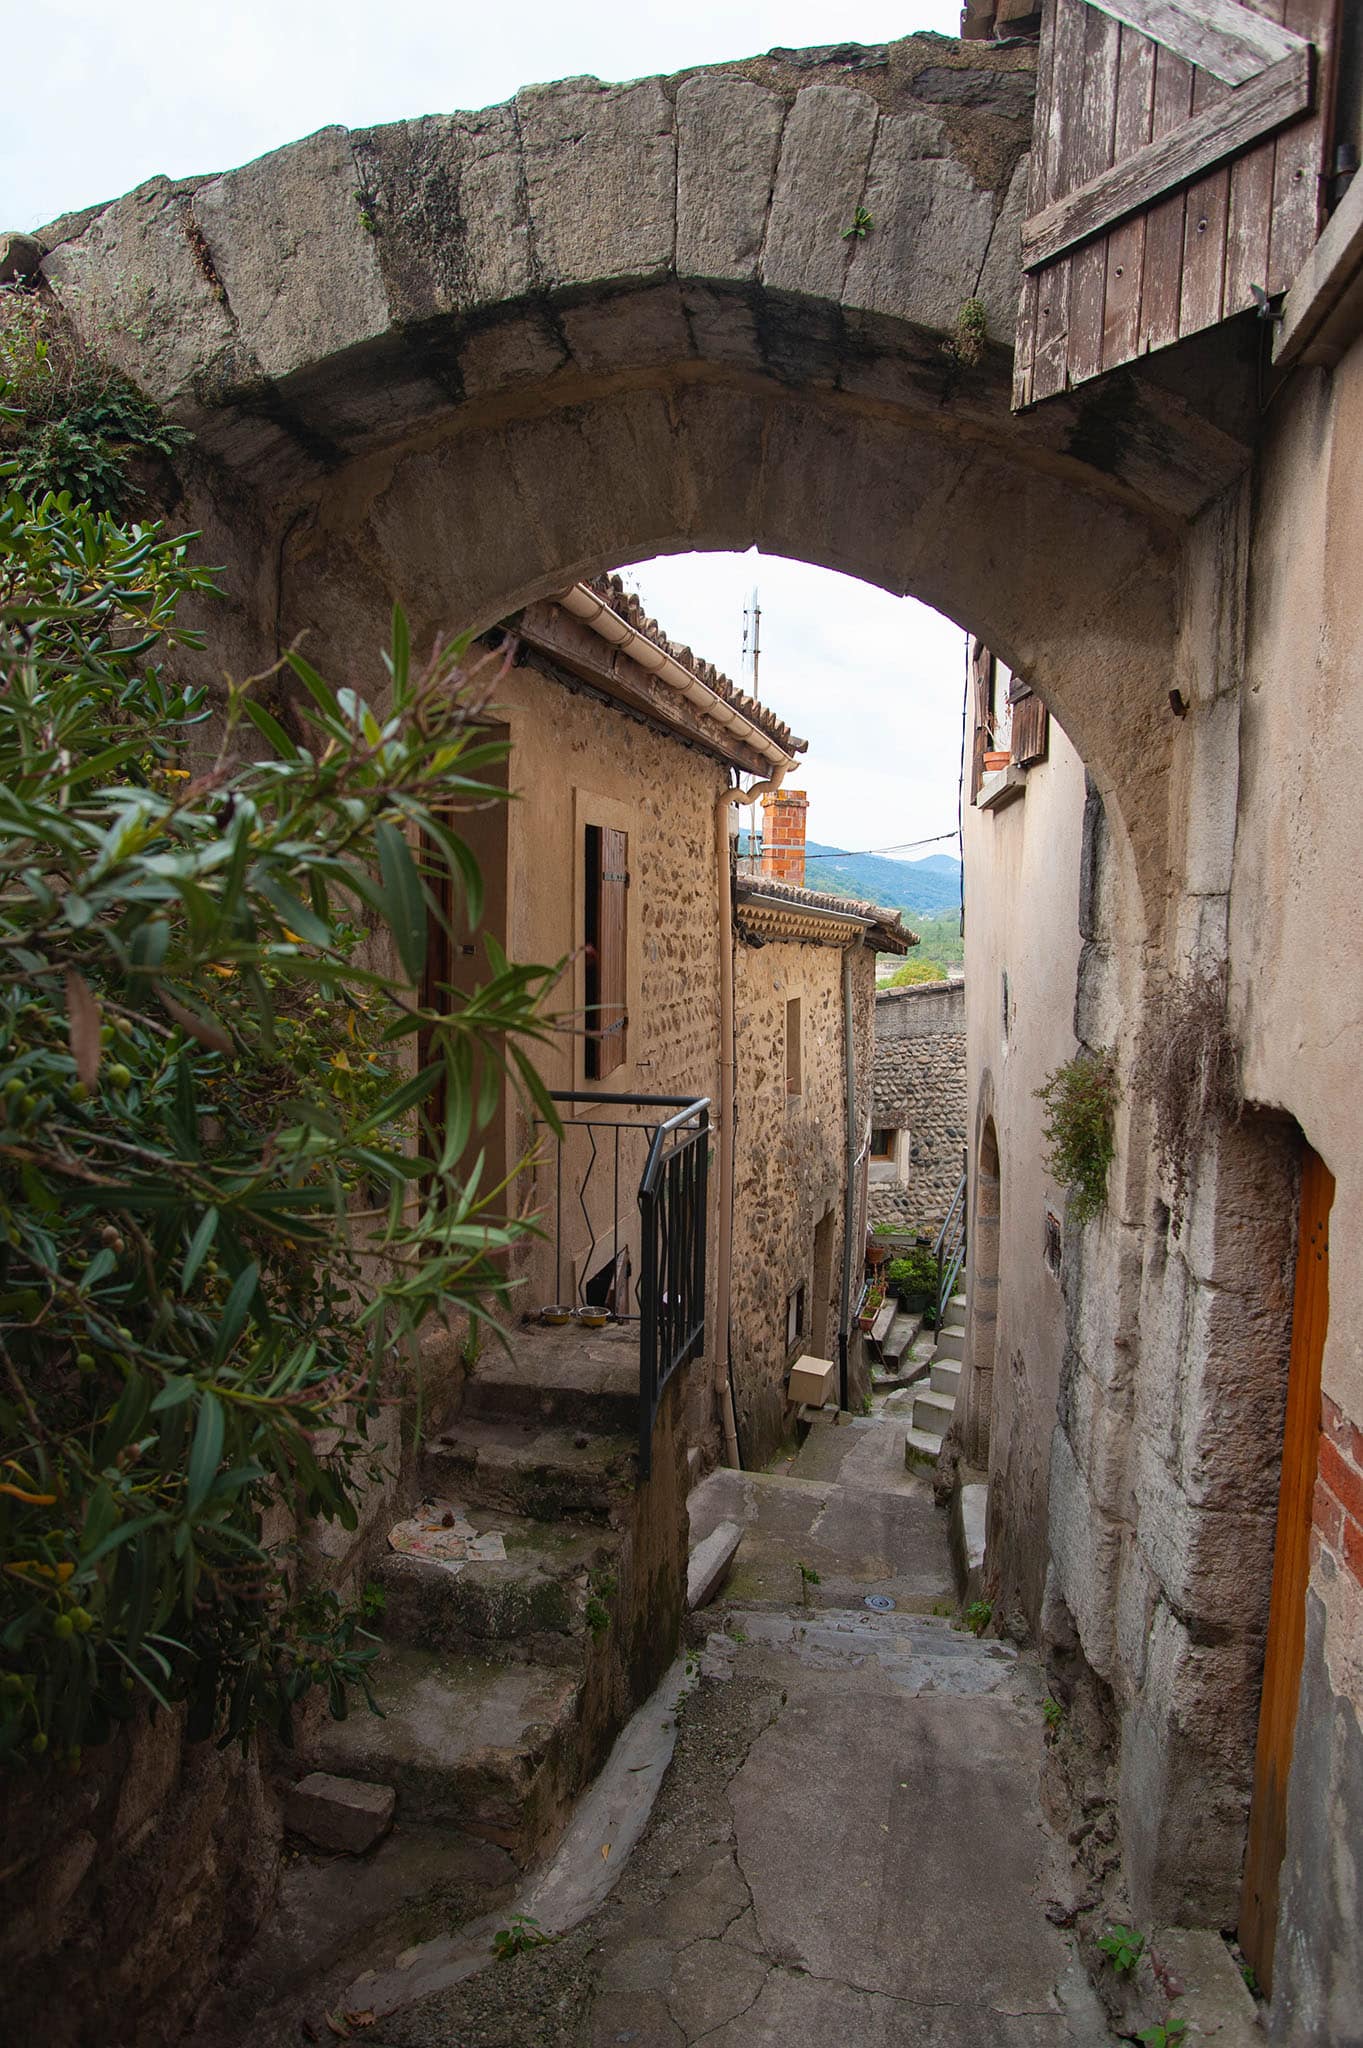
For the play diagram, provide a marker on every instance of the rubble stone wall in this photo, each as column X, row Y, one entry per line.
column 920, row 1086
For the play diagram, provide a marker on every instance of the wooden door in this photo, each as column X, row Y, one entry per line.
column 1176, row 175
column 1291, row 1569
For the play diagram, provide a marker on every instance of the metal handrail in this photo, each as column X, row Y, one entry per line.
column 672, row 1199
column 949, row 1249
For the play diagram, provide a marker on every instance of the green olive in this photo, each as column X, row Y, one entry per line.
column 39, row 1743
column 63, row 1626
column 119, row 1075
column 123, row 1027
column 106, row 1034
column 85, row 1360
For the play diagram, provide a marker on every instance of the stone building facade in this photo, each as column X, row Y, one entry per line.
column 919, row 1107
column 801, row 956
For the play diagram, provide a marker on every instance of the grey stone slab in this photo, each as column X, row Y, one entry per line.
column 600, row 173
column 820, row 182
column 339, row 1813
column 299, row 265
column 728, row 135
column 710, row 1562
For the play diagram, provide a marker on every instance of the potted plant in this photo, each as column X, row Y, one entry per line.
column 914, row 1278
column 997, row 757
column 872, row 1302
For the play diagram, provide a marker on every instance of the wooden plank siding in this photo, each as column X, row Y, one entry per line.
column 1160, row 192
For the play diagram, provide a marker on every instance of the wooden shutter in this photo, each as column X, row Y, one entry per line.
column 607, row 950
column 1177, row 158
column 981, row 674
column 1031, row 724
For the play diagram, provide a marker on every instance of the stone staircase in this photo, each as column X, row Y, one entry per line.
column 935, row 1404
column 507, row 1669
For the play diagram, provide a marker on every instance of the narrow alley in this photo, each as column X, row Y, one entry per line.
column 847, row 1844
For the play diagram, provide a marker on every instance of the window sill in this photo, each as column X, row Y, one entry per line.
column 1000, row 787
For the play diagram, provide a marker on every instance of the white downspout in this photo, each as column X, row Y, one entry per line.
column 724, row 1268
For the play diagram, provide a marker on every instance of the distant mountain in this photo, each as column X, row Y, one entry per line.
column 928, row 887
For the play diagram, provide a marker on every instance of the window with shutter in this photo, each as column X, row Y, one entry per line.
column 606, row 896
column 1177, row 158
column 1031, row 724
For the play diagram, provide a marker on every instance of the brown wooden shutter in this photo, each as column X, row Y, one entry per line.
column 607, row 949
column 1177, row 158
column 1031, row 724
column 981, row 674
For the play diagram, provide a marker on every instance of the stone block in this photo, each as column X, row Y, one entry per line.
column 1214, row 1564
column 932, row 225
column 339, row 1813
column 728, row 136
column 710, row 1564
column 448, row 203
column 1086, row 1553
column 600, row 166
column 820, row 183
column 136, row 290
column 299, row 265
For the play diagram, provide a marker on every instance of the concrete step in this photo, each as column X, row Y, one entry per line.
column 488, row 1746
column 950, row 1344
column 528, row 1469
column 572, row 1375
column 933, row 1412
column 953, row 1316
column 945, row 1377
column 921, row 1447
column 532, row 1599
column 902, row 1332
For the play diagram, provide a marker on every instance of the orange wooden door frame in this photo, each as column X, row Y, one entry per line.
column 1291, row 1570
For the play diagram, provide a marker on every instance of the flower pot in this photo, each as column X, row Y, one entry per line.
column 997, row 757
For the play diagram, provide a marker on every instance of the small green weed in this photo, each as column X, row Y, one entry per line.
column 597, row 1615
column 978, row 1616
column 942, row 1607
column 1164, row 2033
column 1052, row 1712
column 522, row 1934
column 1123, row 1947
column 373, row 1602
column 1251, row 1981
column 1080, row 1098
column 862, row 224
column 808, row 1577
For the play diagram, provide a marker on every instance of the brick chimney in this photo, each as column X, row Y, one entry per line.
column 783, row 836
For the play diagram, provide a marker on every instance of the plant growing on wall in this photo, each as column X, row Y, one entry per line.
column 74, row 424
column 227, row 1199
column 1189, row 1072
column 1081, row 1103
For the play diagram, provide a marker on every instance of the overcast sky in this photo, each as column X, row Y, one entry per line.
column 99, row 97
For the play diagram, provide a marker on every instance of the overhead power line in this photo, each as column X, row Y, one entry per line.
column 904, row 846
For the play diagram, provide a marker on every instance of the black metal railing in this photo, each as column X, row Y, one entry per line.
column 949, row 1250
column 671, row 1157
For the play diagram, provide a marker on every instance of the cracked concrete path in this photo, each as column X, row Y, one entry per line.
column 847, row 1851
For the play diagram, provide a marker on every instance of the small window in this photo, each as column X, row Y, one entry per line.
column 605, row 895
column 882, row 1144
column 793, row 1086
column 795, row 1319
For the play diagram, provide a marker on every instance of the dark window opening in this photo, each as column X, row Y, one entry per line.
column 607, row 884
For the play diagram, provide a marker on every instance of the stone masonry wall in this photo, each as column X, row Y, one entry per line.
column 789, row 1167
column 920, row 1086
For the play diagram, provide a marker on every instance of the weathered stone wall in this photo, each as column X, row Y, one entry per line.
column 124, row 1885
column 790, row 1167
column 1022, row 940
column 920, row 1086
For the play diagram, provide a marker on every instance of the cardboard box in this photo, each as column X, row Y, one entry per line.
column 811, row 1381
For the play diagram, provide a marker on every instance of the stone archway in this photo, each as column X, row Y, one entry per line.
column 458, row 362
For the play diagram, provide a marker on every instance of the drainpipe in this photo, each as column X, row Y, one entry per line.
column 723, row 1388
column 849, row 1203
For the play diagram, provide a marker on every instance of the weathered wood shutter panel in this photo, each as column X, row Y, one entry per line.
column 1031, row 724
column 981, row 667
column 607, row 950
column 1176, row 163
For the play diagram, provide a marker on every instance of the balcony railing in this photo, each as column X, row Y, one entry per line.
column 664, row 1140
